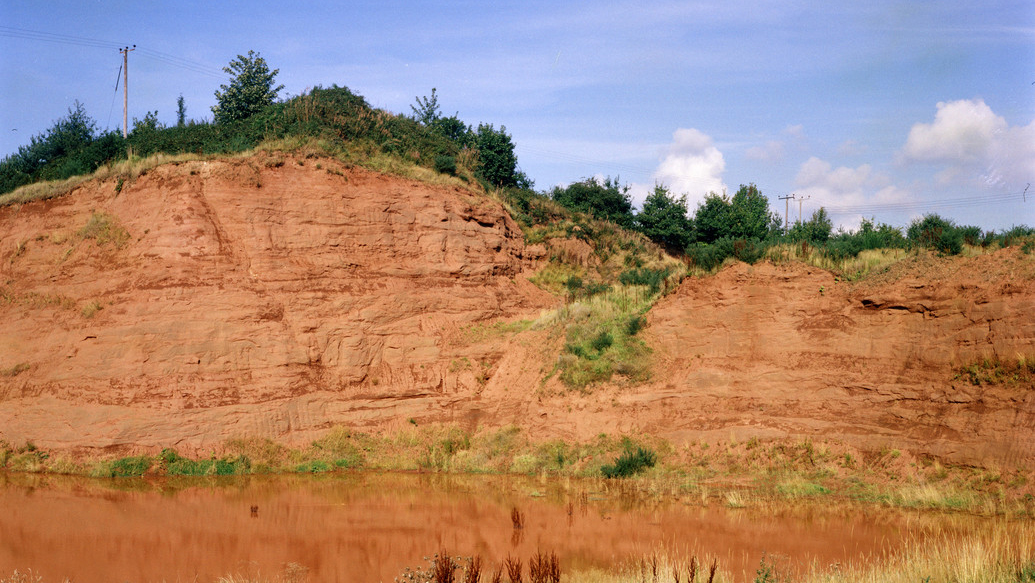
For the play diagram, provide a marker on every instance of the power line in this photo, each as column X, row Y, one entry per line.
column 917, row 205
column 12, row 32
column 186, row 64
column 182, row 63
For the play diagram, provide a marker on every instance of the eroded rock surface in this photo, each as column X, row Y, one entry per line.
column 258, row 296
column 268, row 297
column 770, row 350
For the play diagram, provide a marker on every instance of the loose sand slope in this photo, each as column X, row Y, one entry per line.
column 269, row 297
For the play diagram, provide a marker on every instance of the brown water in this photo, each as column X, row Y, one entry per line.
column 368, row 527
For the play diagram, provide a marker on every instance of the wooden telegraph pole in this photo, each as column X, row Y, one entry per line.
column 125, row 89
column 786, row 208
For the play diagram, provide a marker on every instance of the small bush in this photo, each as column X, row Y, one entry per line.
column 130, row 466
column 934, row 232
column 602, row 341
column 631, row 462
column 635, row 324
column 175, row 465
column 654, row 279
column 313, row 467
column 445, row 165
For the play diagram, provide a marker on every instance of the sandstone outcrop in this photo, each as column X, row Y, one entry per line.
column 273, row 297
column 260, row 296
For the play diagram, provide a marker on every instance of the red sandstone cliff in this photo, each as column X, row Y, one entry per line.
column 269, row 297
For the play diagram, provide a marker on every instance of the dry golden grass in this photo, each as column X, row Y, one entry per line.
column 352, row 154
column 998, row 554
column 853, row 267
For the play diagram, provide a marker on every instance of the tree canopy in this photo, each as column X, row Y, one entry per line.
column 745, row 216
column 816, row 230
column 604, row 199
column 250, row 90
column 664, row 220
column 497, row 162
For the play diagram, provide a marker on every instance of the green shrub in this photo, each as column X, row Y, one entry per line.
column 934, row 232
column 130, row 466
column 654, row 279
column 175, row 465
column 630, row 462
column 635, row 324
column 445, row 165
column 313, row 467
column 605, row 200
column 602, row 341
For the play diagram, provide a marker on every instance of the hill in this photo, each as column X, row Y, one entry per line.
column 279, row 295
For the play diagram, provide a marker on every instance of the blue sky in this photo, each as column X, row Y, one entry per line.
column 878, row 109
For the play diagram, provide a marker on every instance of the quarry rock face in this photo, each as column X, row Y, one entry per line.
column 249, row 298
column 269, row 297
column 774, row 349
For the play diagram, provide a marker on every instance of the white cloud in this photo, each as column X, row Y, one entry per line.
column 796, row 132
column 973, row 142
column 772, row 151
column 849, row 148
column 962, row 131
column 692, row 166
column 844, row 191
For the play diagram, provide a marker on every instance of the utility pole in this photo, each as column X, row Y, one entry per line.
column 799, row 206
column 125, row 89
column 786, row 208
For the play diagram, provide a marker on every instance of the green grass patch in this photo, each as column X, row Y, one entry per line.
column 104, row 229
column 1019, row 372
column 176, row 465
column 601, row 337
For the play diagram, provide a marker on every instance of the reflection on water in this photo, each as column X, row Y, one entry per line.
column 367, row 527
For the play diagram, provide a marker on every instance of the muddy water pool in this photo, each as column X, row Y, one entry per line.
column 366, row 527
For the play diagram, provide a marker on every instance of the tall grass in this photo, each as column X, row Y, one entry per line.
column 991, row 556
column 699, row 473
column 850, row 266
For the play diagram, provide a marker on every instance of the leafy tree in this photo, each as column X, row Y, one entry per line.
column 453, row 129
column 250, row 90
column 428, row 113
column 497, row 162
column 426, row 110
column 745, row 216
column 602, row 199
column 750, row 214
column 816, row 230
column 713, row 218
column 181, row 112
column 53, row 154
column 148, row 124
column 937, row 233
column 664, row 219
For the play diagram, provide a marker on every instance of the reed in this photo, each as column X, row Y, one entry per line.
column 473, row 572
column 513, row 568
column 443, row 569
column 544, row 568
